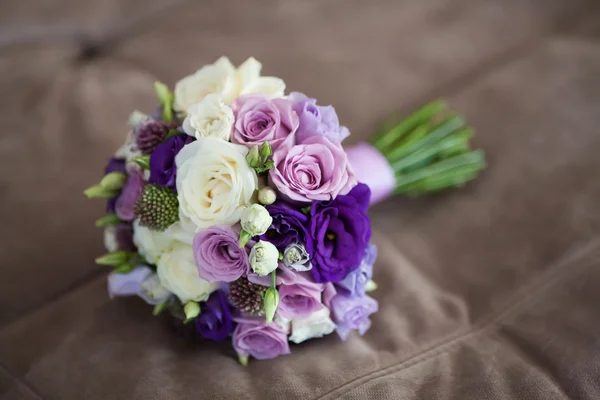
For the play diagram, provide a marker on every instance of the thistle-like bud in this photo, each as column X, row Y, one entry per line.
column 267, row 196
column 150, row 135
column 157, row 207
column 247, row 296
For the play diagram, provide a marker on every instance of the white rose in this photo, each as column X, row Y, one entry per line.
column 178, row 273
column 219, row 77
column 210, row 117
column 214, row 182
column 223, row 78
column 152, row 244
column 250, row 81
column 316, row 325
column 256, row 220
column 264, row 258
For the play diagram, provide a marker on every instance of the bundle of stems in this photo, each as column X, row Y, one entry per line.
column 429, row 150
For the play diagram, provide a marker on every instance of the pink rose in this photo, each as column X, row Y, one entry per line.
column 300, row 299
column 315, row 170
column 218, row 254
column 260, row 119
column 258, row 339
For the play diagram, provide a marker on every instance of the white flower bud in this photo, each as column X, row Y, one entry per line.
column 256, row 220
column 264, row 258
column 267, row 196
column 296, row 257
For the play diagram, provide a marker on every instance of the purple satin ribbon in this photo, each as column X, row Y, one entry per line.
column 372, row 169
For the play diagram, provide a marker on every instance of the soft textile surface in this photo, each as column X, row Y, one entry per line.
column 490, row 292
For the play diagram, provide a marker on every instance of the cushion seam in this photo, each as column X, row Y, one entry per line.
column 522, row 296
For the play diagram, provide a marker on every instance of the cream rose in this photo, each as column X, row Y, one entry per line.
column 214, row 183
column 316, row 325
column 178, row 273
column 222, row 77
column 153, row 244
column 210, row 117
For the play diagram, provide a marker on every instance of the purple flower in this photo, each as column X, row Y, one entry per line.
column 300, row 298
column 162, row 161
column 340, row 229
column 258, row 339
column 316, row 120
column 261, row 119
column 315, row 170
column 355, row 282
column 142, row 282
column 289, row 226
column 352, row 313
column 215, row 321
column 218, row 254
column 134, row 185
column 114, row 165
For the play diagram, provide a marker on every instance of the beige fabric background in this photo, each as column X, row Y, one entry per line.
column 490, row 292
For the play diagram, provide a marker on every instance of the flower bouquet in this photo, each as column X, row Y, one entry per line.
column 236, row 209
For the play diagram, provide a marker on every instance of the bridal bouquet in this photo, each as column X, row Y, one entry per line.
column 235, row 207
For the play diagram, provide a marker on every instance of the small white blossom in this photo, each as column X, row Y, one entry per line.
column 264, row 258
column 256, row 220
column 296, row 257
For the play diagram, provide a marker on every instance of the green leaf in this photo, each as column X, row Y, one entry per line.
column 265, row 151
column 143, row 161
column 99, row 192
column 123, row 268
column 171, row 133
column 162, row 92
column 113, row 259
column 108, row 219
column 253, row 157
column 159, row 308
column 166, row 99
column 113, row 181
column 387, row 136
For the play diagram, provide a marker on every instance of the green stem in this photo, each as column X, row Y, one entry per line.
column 386, row 137
column 463, row 164
column 440, row 131
column 273, row 280
column 457, row 140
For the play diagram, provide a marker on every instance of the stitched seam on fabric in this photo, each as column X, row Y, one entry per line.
column 522, row 296
column 4, row 370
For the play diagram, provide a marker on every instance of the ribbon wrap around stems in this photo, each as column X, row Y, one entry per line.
column 372, row 169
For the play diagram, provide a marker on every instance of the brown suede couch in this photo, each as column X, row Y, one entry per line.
column 489, row 292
